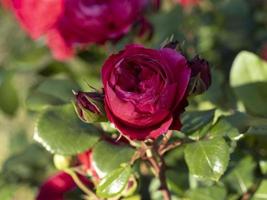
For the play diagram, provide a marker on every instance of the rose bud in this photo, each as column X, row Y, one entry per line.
column 200, row 77
column 172, row 45
column 76, row 23
column 90, row 106
column 146, row 29
column 145, row 90
column 62, row 162
column 56, row 187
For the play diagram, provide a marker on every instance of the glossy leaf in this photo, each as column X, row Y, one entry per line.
column 207, row 193
column 108, row 156
column 60, row 131
column 114, row 183
column 222, row 128
column 207, row 159
column 263, row 166
column 261, row 193
column 197, row 123
column 241, row 177
column 249, row 80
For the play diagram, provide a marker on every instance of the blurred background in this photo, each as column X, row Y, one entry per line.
column 31, row 80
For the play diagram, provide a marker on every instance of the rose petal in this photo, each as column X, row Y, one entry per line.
column 142, row 133
column 37, row 17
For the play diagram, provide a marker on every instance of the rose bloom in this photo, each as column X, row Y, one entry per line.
column 56, row 187
column 71, row 23
column 145, row 90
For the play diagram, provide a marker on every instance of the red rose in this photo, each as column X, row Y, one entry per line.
column 57, row 186
column 68, row 23
column 145, row 90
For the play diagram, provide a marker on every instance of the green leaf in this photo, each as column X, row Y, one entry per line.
column 241, row 177
column 197, row 123
column 60, row 131
column 114, row 183
column 222, row 128
column 116, row 155
column 263, row 166
column 249, row 80
column 207, row 159
column 261, row 193
column 177, row 182
column 9, row 102
column 207, row 193
column 51, row 92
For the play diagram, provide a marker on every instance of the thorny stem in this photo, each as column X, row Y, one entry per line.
column 159, row 168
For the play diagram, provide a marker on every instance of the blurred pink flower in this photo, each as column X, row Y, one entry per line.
column 186, row 3
column 71, row 23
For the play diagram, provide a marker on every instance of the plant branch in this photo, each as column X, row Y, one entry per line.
column 169, row 147
column 157, row 163
column 80, row 184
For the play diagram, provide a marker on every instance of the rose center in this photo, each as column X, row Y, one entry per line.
column 135, row 78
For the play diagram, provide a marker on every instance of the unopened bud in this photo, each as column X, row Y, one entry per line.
column 62, row 162
column 90, row 106
column 200, row 76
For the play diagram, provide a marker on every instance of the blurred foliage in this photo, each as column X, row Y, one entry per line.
column 30, row 81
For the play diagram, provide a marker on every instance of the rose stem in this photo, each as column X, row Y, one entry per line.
column 159, row 169
column 170, row 147
column 79, row 183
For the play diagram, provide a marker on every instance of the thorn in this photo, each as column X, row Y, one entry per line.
column 74, row 92
column 120, row 136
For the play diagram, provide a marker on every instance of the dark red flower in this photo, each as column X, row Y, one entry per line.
column 71, row 23
column 144, row 90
